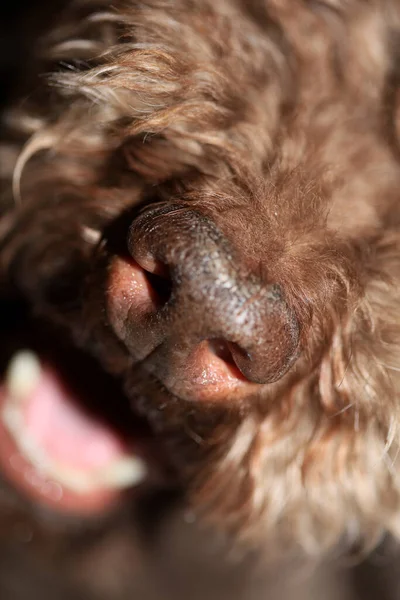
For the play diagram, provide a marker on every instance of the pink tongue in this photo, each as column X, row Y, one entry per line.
column 65, row 433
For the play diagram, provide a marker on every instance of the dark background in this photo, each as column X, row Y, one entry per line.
column 20, row 22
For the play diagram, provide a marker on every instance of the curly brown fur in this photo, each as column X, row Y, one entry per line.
column 277, row 121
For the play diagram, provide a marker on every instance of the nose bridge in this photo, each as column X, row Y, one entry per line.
column 178, row 237
column 215, row 300
column 210, row 294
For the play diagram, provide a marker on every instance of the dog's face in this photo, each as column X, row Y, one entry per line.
column 205, row 241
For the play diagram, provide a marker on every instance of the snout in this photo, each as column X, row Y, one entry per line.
column 186, row 304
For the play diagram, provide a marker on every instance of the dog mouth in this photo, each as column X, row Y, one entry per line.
column 68, row 438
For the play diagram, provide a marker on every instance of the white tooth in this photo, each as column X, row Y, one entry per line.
column 90, row 235
column 74, row 480
column 23, row 374
column 12, row 420
column 126, row 472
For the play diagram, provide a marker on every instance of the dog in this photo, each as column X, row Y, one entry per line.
column 200, row 248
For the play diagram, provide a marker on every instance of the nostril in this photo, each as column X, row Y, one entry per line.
column 161, row 286
column 152, row 265
column 238, row 351
column 158, row 277
column 225, row 352
column 220, row 348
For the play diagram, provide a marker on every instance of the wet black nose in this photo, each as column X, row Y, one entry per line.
column 204, row 293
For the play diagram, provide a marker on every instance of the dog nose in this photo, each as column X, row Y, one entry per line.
column 198, row 290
